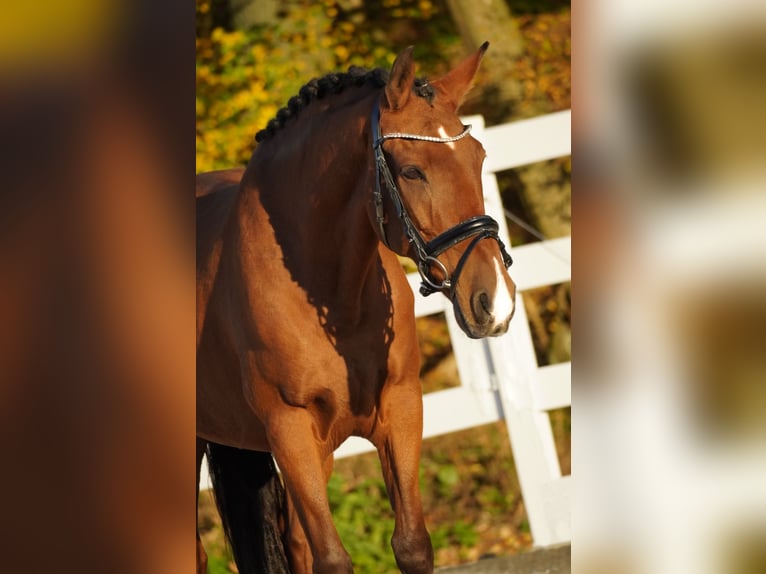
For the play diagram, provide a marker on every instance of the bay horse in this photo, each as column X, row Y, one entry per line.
column 305, row 319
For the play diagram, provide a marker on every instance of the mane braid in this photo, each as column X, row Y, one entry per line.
column 334, row 83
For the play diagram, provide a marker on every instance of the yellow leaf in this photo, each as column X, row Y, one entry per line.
column 341, row 52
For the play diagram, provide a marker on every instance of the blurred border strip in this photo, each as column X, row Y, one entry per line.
column 47, row 33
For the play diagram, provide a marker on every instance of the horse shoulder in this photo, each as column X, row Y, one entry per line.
column 404, row 355
column 216, row 194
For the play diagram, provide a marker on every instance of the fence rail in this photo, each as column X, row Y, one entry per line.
column 500, row 377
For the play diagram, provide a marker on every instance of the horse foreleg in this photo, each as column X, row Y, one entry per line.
column 201, row 555
column 301, row 462
column 398, row 439
column 299, row 552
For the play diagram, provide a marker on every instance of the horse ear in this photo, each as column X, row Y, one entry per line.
column 456, row 83
column 400, row 80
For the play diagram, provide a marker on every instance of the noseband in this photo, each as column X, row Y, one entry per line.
column 427, row 252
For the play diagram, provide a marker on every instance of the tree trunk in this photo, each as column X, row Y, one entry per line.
column 490, row 20
column 545, row 193
column 247, row 13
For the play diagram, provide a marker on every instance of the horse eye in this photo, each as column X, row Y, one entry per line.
column 412, row 172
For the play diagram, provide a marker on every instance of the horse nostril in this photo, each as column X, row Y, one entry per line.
column 501, row 328
column 482, row 308
column 484, row 302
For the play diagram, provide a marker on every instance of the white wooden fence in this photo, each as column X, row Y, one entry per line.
column 500, row 378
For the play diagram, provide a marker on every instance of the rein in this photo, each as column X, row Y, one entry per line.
column 427, row 252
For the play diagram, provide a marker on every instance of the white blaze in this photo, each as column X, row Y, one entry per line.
column 443, row 133
column 502, row 304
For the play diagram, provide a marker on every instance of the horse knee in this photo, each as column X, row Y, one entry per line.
column 333, row 563
column 414, row 553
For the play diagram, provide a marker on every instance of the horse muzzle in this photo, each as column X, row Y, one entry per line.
column 487, row 312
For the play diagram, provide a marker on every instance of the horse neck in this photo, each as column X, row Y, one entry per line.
column 313, row 179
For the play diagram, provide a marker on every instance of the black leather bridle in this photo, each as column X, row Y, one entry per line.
column 427, row 252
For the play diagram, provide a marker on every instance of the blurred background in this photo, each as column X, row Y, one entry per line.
column 96, row 297
column 669, row 385
column 251, row 58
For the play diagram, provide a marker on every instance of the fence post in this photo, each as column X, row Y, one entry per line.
column 513, row 360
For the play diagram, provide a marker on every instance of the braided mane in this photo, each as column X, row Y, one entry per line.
column 334, row 83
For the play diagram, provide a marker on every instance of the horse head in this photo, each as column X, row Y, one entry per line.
column 428, row 200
